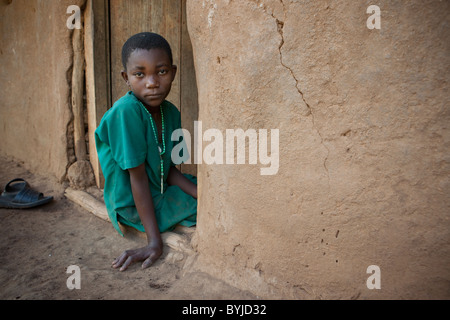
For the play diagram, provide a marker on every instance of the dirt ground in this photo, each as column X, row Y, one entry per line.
column 37, row 245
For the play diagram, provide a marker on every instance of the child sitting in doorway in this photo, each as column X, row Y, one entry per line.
column 143, row 188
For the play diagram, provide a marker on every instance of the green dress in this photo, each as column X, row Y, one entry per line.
column 124, row 140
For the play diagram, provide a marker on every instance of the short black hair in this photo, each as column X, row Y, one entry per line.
column 147, row 41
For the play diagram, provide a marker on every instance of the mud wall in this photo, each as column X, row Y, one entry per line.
column 36, row 61
column 364, row 165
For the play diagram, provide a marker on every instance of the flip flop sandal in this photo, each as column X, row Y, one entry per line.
column 19, row 195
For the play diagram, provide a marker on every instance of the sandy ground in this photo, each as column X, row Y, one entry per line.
column 37, row 245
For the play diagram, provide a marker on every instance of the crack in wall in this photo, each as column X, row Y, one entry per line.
column 280, row 26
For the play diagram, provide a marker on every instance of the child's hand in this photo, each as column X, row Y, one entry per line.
column 150, row 254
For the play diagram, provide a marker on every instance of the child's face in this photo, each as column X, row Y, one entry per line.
column 149, row 75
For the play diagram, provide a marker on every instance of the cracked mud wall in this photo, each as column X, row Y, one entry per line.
column 36, row 61
column 364, row 164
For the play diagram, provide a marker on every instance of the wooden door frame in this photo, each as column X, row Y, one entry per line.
column 98, row 82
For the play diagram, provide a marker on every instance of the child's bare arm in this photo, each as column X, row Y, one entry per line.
column 144, row 205
column 176, row 178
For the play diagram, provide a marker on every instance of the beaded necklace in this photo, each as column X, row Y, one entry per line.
column 155, row 133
